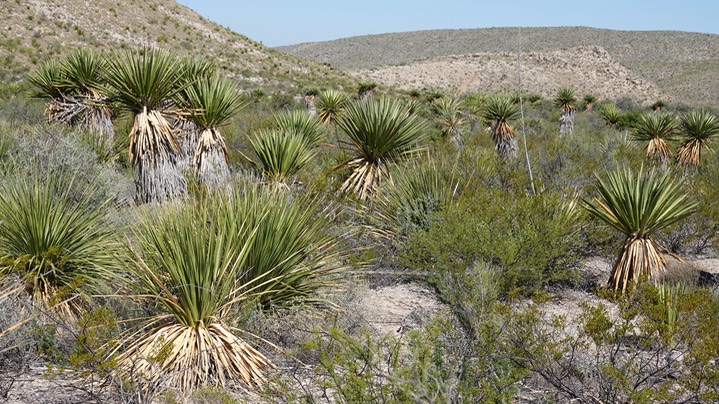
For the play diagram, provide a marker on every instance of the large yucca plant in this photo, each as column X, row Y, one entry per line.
column 188, row 261
column 567, row 103
column 280, row 154
column 211, row 102
column 498, row 111
column 143, row 83
column 656, row 129
column 301, row 123
column 54, row 236
column 381, row 132
column 203, row 262
column 698, row 129
column 639, row 205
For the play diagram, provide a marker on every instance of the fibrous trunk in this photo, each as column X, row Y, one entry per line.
column 689, row 153
column 152, row 152
column 659, row 151
column 365, row 178
column 187, row 357
column 639, row 257
column 503, row 137
column 210, row 159
column 566, row 123
column 186, row 133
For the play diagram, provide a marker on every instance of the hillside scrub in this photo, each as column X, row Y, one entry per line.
column 270, row 275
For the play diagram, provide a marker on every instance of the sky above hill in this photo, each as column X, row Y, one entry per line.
column 287, row 22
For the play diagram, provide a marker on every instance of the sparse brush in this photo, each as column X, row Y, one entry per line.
column 498, row 111
column 381, row 132
column 280, row 154
column 656, row 129
column 698, row 129
column 301, row 123
column 142, row 83
column 639, row 205
column 53, row 235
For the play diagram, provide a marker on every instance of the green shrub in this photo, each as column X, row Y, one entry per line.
column 534, row 240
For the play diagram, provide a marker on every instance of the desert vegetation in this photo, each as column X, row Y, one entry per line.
column 238, row 277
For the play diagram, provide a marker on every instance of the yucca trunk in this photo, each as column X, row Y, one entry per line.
column 658, row 149
column 566, row 123
column 503, row 137
column 365, row 179
column 180, row 350
column 639, row 257
column 690, row 153
column 153, row 151
column 210, row 160
column 186, row 133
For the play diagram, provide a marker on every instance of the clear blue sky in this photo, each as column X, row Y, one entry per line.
column 286, row 22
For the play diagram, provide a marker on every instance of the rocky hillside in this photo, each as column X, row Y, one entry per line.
column 35, row 30
column 587, row 69
column 683, row 65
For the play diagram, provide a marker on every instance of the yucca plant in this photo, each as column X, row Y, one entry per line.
column 293, row 252
column 567, row 103
column 186, row 131
column 449, row 116
column 331, row 105
column 142, row 84
column 656, row 129
column 188, row 261
column 85, row 76
column 280, row 154
column 498, row 111
column 589, row 100
column 698, row 129
column 610, row 115
column 54, row 236
column 49, row 81
column 203, row 262
column 381, row 132
column 639, row 205
column 301, row 123
column 416, row 193
column 211, row 102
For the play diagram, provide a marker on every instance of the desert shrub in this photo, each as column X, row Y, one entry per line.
column 38, row 151
column 534, row 240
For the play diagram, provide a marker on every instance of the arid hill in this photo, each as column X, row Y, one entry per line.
column 683, row 65
column 36, row 30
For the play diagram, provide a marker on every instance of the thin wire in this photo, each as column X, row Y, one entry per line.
column 521, row 111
